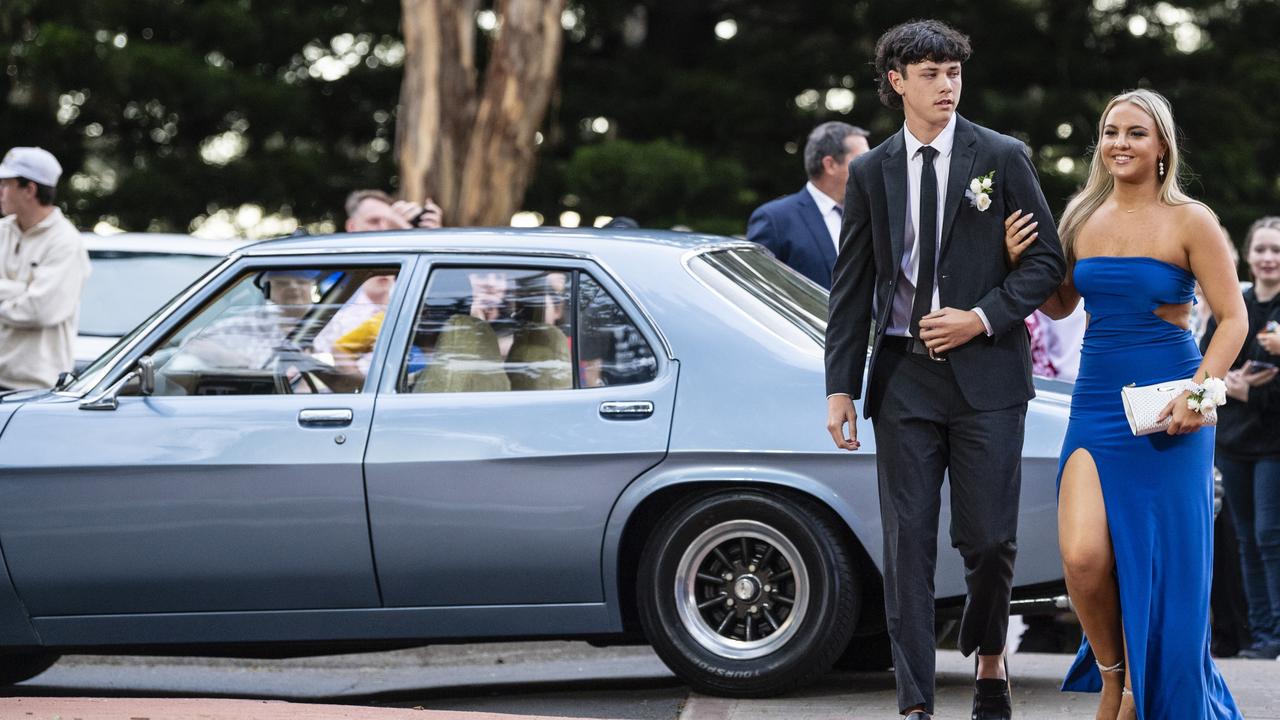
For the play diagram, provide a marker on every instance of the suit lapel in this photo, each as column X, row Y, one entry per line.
column 817, row 226
column 894, row 168
column 961, row 171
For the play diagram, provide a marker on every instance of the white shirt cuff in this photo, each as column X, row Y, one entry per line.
column 838, row 394
column 986, row 324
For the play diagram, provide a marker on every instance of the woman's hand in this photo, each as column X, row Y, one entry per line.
column 1185, row 420
column 1019, row 233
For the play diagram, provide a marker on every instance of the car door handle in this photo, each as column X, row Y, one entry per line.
column 630, row 410
column 327, row 417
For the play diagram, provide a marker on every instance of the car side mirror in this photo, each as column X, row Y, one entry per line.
column 144, row 373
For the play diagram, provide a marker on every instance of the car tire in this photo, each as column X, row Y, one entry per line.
column 16, row 667
column 870, row 653
column 748, row 593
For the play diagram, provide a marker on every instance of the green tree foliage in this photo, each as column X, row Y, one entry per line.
column 696, row 129
column 1041, row 69
column 126, row 93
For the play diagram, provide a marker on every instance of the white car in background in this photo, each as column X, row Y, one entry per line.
column 133, row 275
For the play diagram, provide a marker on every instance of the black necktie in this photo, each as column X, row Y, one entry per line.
column 926, row 240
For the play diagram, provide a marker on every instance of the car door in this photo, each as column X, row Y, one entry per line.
column 235, row 485
column 532, row 394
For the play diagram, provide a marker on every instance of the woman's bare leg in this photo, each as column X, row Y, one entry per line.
column 1084, row 539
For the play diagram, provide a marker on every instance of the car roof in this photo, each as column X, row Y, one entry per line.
column 605, row 243
column 166, row 243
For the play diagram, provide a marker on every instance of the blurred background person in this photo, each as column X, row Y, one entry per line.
column 372, row 210
column 43, row 268
column 1248, row 444
column 351, row 333
column 803, row 229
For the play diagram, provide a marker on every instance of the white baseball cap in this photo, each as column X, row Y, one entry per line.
column 35, row 164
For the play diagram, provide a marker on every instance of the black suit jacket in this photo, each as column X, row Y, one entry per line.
column 973, row 272
column 793, row 229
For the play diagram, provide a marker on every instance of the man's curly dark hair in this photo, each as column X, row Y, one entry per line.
column 914, row 42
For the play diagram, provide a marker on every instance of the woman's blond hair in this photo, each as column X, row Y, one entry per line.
column 1100, row 183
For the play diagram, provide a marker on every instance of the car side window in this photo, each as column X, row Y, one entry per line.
column 492, row 329
column 612, row 351
column 281, row 330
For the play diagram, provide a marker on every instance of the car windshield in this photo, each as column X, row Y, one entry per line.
column 750, row 278
column 125, row 288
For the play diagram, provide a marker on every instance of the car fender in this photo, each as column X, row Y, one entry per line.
column 799, row 472
column 15, row 624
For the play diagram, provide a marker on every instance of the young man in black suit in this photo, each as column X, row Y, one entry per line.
column 922, row 252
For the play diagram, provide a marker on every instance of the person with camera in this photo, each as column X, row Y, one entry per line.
column 372, row 210
column 1248, row 446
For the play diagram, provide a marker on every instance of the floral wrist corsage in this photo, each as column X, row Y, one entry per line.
column 1206, row 397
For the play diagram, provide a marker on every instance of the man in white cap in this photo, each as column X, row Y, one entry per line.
column 43, row 268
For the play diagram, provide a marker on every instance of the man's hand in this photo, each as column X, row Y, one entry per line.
column 947, row 329
column 427, row 215
column 1270, row 341
column 840, row 412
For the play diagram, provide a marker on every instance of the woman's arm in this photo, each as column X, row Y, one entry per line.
column 1019, row 233
column 1210, row 260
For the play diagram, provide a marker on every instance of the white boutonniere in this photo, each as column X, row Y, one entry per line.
column 979, row 192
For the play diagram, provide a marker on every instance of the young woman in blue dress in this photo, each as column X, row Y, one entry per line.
column 1135, row 513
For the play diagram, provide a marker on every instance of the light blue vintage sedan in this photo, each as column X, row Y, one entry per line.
column 387, row 440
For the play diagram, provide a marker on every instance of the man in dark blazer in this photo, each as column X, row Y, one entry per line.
column 922, row 253
column 802, row 229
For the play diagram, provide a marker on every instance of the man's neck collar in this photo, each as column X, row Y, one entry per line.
column 29, row 221
column 941, row 140
column 816, row 189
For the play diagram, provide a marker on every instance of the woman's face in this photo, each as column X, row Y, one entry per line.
column 1264, row 256
column 1130, row 145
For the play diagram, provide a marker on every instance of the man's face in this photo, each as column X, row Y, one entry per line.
column 930, row 91
column 293, row 292
column 373, row 214
column 14, row 198
column 854, row 145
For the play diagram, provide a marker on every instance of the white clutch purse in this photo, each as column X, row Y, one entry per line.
column 1142, row 405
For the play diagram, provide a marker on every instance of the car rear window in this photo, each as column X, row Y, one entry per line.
column 125, row 288
column 772, row 293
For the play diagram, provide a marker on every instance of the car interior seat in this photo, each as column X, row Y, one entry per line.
column 466, row 359
column 539, row 359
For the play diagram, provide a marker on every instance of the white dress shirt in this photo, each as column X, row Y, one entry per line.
column 904, row 296
column 828, row 209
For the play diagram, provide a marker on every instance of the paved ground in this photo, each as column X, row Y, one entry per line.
column 520, row 680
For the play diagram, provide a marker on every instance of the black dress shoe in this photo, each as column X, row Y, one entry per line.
column 919, row 715
column 991, row 700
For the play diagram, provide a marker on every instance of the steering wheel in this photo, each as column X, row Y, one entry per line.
column 309, row 370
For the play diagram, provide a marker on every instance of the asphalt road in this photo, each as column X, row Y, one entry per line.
column 563, row 679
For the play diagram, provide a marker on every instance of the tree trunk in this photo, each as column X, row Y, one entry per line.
column 472, row 149
column 437, row 99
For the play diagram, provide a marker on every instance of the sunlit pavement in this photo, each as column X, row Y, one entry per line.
column 522, row 680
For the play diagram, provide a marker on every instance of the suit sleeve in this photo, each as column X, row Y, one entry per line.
column 852, row 287
column 760, row 230
column 1042, row 267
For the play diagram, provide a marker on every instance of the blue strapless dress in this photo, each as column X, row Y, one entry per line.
column 1158, row 490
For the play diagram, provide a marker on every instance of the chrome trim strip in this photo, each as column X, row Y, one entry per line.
column 259, row 251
